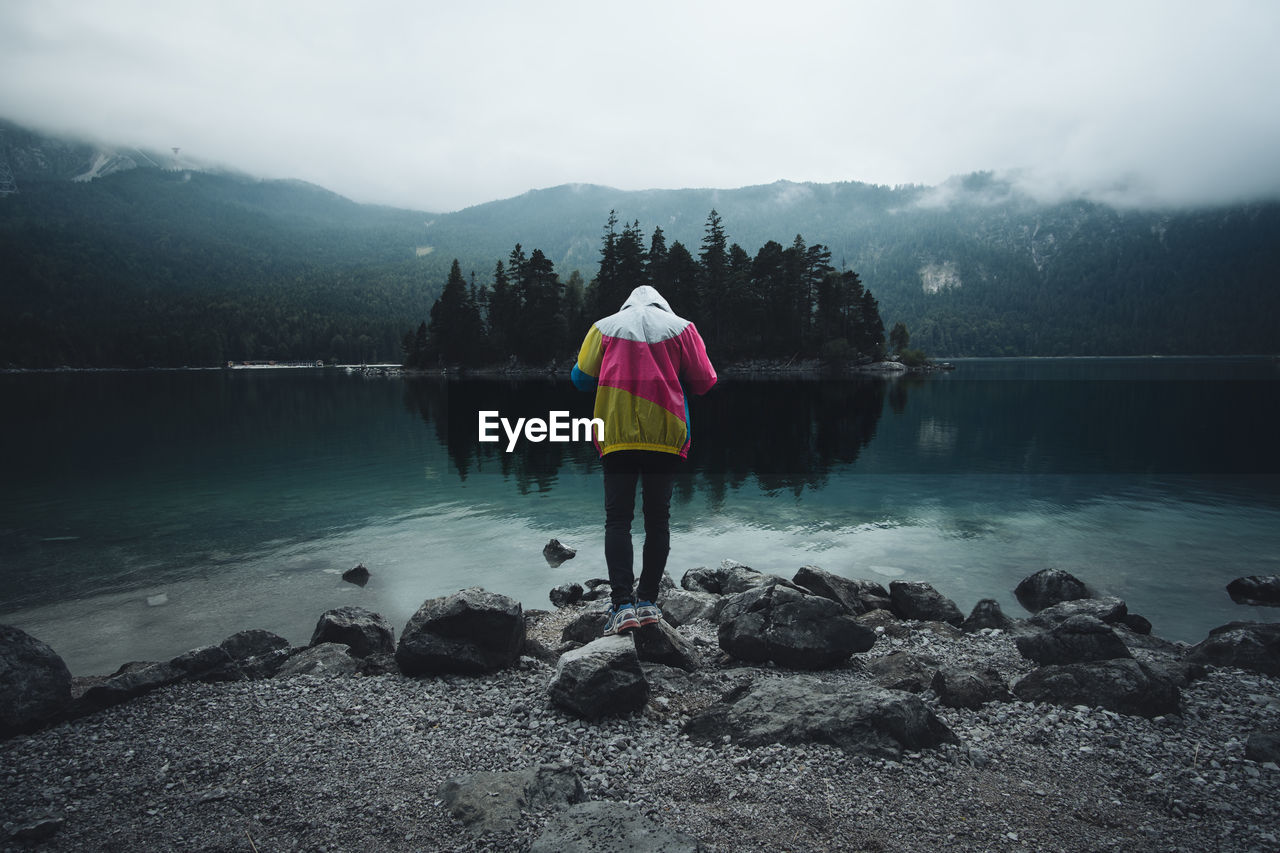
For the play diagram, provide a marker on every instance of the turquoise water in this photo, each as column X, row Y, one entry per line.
column 147, row 513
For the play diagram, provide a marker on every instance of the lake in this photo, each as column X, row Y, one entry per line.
column 146, row 513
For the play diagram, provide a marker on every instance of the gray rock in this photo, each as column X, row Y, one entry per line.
column 39, row 830
column 885, row 622
column 603, row 678
column 969, row 688
column 1256, row 590
column 596, row 589
column 556, row 553
column 857, row 596
column 919, row 600
column 791, row 628
column 35, row 684
column 1263, row 745
column 587, row 625
column 365, row 632
column 566, row 594
column 986, row 614
column 907, row 671
column 536, row 649
column 1107, row 609
column 1048, row 587
column 1124, row 685
column 1248, row 645
column 1137, row 624
column 332, row 659
column 607, row 825
column 207, row 663
column 1078, row 639
column 470, row 632
column 660, row 643
column 129, row 684
column 358, row 575
column 257, row 653
column 492, row 801
column 681, row 607
column 729, row 579
column 801, row 709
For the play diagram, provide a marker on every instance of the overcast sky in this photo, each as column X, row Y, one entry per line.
column 438, row 106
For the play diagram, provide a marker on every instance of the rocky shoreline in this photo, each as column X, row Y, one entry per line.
column 815, row 712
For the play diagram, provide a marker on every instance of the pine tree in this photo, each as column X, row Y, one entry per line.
column 714, row 260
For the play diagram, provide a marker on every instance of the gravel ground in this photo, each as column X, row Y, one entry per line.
column 356, row 763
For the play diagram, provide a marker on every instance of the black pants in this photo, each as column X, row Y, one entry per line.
column 656, row 473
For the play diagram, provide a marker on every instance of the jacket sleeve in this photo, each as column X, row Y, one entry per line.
column 696, row 371
column 587, row 370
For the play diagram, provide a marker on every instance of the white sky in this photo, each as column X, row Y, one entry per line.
column 440, row 105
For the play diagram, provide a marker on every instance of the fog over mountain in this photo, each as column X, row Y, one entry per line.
column 442, row 106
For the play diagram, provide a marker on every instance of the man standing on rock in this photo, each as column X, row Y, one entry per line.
column 639, row 362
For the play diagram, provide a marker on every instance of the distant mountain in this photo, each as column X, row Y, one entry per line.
column 114, row 256
column 973, row 267
column 109, row 260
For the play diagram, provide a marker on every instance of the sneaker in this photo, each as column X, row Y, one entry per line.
column 621, row 618
column 648, row 613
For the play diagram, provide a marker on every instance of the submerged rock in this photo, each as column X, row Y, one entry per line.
column 358, row 575
column 1256, row 590
column 556, row 553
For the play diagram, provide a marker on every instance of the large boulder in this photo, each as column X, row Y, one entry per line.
column 1079, row 639
column 970, row 688
column 857, row 596
column 602, row 678
column 986, row 614
column 1108, row 609
column 35, row 684
column 855, row 717
column 470, row 632
column 1048, row 587
column 1123, row 685
column 492, row 801
column 609, row 825
column 660, row 643
column 365, row 632
column 791, row 628
column 1256, row 590
column 919, row 600
column 1247, row 645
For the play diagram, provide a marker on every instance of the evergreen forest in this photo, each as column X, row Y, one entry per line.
column 783, row 303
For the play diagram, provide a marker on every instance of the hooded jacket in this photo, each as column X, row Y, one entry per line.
column 639, row 362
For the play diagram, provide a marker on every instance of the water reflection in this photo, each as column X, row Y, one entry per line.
column 784, row 436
